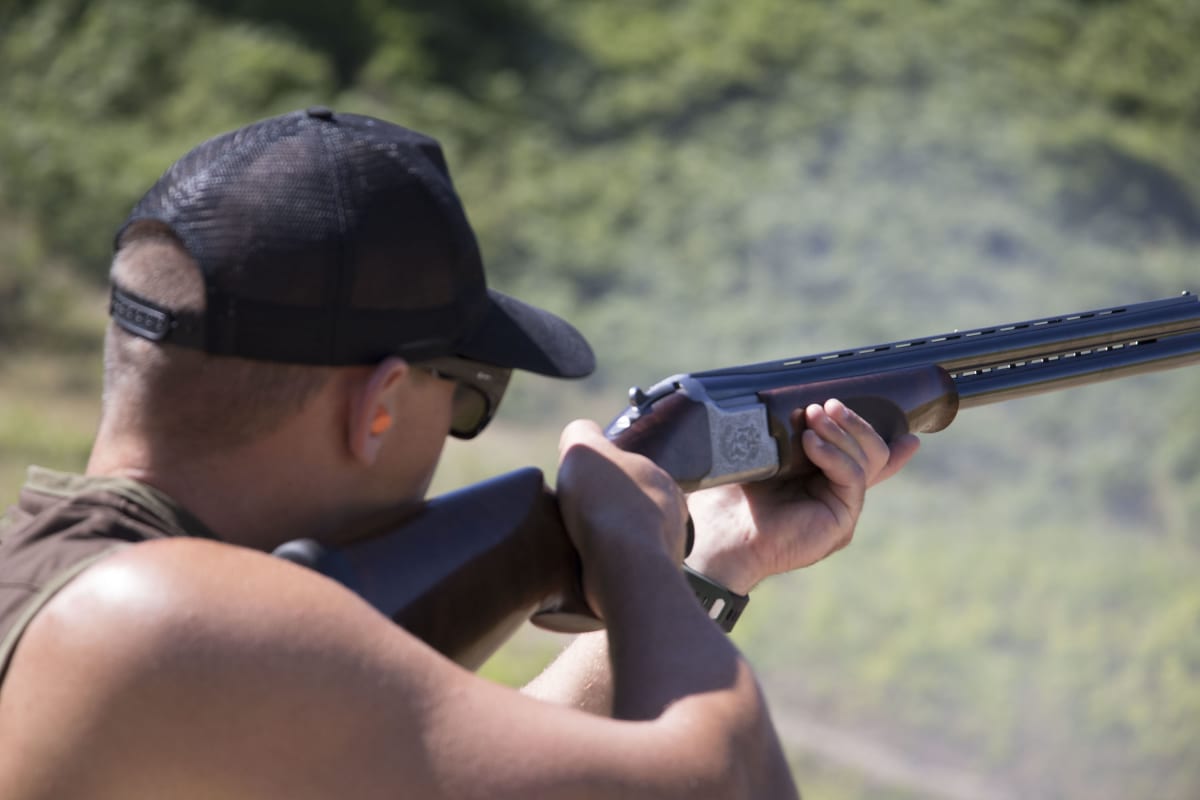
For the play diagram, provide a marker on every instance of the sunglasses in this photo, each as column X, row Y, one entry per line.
column 479, row 389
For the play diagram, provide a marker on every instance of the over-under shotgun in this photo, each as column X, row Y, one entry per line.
column 466, row 569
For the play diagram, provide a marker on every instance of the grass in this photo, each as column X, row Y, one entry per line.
column 1064, row 662
column 1061, row 660
column 49, row 408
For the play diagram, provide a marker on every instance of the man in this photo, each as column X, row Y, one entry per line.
column 300, row 317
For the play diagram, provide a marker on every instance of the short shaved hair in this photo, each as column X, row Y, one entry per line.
column 199, row 401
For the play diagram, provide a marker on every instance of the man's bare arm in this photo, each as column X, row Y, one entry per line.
column 580, row 677
column 192, row 669
column 745, row 534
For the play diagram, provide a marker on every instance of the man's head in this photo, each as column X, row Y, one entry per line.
column 305, row 243
column 194, row 401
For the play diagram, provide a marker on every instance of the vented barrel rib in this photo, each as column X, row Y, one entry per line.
column 1006, row 361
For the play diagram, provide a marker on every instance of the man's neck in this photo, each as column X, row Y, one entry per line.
column 249, row 495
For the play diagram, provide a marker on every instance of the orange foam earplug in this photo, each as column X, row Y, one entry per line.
column 382, row 421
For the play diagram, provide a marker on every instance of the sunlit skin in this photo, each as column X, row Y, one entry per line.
column 746, row 533
column 189, row 668
column 770, row 527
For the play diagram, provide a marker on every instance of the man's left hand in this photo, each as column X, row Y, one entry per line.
column 747, row 532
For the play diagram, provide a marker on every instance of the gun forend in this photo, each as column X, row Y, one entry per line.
column 739, row 424
column 702, row 442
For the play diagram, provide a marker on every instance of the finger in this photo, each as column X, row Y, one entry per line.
column 819, row 420
column 841, row 487
column 844, row 472
column 583, row 446
column 872, row 445
column 577, row 432
column 902, row 451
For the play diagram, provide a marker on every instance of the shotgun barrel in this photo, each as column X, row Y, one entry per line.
column 507, row 555
column 987, row 363
column 913, row 385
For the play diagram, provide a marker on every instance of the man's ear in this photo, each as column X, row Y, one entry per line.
column 374, row 409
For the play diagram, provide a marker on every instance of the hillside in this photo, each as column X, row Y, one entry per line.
column 701, row 184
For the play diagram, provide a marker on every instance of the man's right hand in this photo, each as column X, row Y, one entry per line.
column 618, row 507
column 230, row 673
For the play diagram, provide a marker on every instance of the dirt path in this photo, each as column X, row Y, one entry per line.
column 881, row 761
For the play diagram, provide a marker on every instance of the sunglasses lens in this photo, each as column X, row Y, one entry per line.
column 471, row 411
column 477, row 393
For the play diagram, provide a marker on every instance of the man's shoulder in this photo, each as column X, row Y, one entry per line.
column 173, row 599
column 200, row 654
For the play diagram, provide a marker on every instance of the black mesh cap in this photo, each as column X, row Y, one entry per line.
column 336, row 239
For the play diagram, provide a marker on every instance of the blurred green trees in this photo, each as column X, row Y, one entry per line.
column 703, row 183
column 703, row 139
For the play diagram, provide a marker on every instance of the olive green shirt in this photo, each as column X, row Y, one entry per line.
column 62, row 524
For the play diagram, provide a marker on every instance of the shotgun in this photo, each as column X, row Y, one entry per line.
column 465, row 569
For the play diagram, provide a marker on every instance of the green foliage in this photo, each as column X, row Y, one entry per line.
column 703, row 183
column 1004, row 650
column 105, row 95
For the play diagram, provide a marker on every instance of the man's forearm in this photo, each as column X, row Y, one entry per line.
column 580, row 678
column 673, row 666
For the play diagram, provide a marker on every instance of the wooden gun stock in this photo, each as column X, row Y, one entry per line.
column 464, row 570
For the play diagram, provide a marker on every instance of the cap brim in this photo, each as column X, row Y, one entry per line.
column 517, row 335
